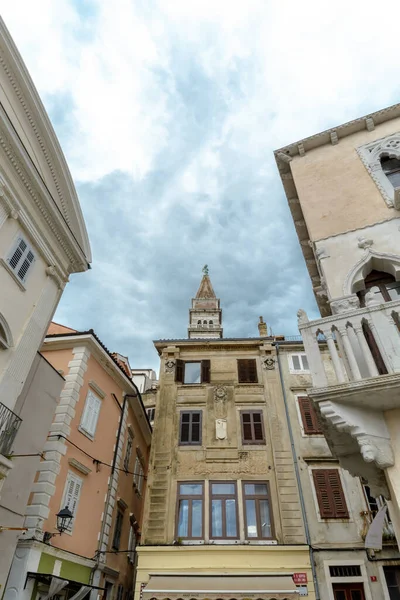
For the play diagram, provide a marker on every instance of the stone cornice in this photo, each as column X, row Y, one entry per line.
column 369, row 385
column 341, row 131
column 17, row 158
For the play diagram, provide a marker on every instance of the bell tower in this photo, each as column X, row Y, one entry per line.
column 205, row 315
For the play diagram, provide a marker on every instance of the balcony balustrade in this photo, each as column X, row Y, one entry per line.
column 364, row 347
column 9, row 425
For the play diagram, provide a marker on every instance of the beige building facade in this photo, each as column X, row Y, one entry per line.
column 343, row 189
column 223, row 516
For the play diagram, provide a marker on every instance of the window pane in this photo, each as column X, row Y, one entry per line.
column 259, row 489
column 185, row 417
column 191, row 489
column 197, row 518
column 247, row 431
column 230, row 508
column 340, row 595
column 265, row 519
column 195, row 432
column 192, row 373
column 216, row 518
column 196, row 417
column 377, row 293
column 223, row 488
column 393, row 290
column 184, row 432
column 356, row 595
column 394, row 178
column 251, row 521
column 183, row 518
column 305, row 362
column 296, row 363
column 258, row 431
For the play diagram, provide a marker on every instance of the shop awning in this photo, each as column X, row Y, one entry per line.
column 55, row 582
column 175, row 587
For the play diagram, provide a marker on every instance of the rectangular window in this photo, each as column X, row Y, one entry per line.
column 190, row 510
column 21, row 259
column 252, row 427
column 223, row 506
column 72, row 492
column 117, row 530
column 330, row 495
column 192, row 372
column 190, row 427
column 298, row 363
column 392, row 576
column 258, row 522
column 247, row 370
column 138, row 476
column 309, row 416
column 128, row 452
column 132, row 545
column 120, row 592
column 151, row 412
column 90, row 414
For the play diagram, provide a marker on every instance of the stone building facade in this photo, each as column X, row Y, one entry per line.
column 343, row 188
column 223, row 514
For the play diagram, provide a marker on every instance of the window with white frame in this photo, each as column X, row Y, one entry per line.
column 132, row 545
column 381, row 158
column 151, row 413
column 72, row 492
column 90, row 414
column 21, row 258
column 298, row 363
column 138, row 475
column 128, row 452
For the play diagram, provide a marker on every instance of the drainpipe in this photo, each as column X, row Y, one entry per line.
column 96, row 572
column 296, row 469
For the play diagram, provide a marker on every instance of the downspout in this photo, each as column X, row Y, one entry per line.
column 96, row 573
column 296, row 469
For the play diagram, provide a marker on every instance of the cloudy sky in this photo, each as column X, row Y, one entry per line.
column 168, row 112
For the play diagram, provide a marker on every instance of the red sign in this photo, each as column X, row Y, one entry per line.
column 373, row 578
column 300, row 578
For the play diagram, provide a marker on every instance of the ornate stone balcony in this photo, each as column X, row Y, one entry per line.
column 361, row 382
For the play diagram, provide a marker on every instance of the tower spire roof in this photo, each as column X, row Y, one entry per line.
column 205, row 316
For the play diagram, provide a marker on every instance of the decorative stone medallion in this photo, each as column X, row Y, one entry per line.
column 269, row 363
column 169, row 366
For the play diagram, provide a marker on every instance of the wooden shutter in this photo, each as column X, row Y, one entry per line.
column 309, row 416
column 258, row 427
column 330, row 496
column 247, row 370
column 72, row 493
column 205, row 371
column 247, row 434
column 21, row 258
column 91, row 413
column 179, row 369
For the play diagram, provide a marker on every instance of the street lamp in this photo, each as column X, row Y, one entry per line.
column 64, row 518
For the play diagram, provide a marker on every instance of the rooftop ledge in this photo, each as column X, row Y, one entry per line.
column 376, row 393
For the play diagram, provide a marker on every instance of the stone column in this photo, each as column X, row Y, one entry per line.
column 355, row 371
column 337, row 365
column 369, row 359
column 392, row 418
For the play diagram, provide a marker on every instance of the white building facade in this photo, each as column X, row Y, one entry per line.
column 343, row 190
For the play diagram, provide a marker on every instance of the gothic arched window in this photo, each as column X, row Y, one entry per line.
column 391, row 168
column 383, row 285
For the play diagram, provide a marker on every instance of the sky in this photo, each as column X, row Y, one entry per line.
column 168, row 112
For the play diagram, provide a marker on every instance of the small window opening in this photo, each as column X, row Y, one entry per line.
column 391, row 168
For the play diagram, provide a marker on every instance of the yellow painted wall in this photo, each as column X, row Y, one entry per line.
column 226, row 560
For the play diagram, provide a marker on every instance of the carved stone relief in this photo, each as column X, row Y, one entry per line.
column 169, row 366
column 371, row 155
column 344, row 304
column 220, row 398
column 221, row 429
column 269, row 363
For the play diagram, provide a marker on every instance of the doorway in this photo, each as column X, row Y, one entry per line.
column 348, row 591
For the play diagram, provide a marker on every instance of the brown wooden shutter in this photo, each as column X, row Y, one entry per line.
column 330, row 495
column 309, row 416
column 247, row 370
column 246, row 427
column 258, row 427
column 205, row 371
column 179, row 369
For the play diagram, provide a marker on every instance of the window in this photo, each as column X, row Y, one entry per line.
column 132, row 545
column 330, row 495
column 252, row 427
column 5, row 334
column 117, row 530
column 298, row 363
column 190, row 427
column 190, row 510
column 257, row 511
column 128, row 451
column 309, row 416
column 20, row 259
column 120, row 592
column 383, row 285
column 391, row 168
column 374, row 504
column 223, row 506
column 138, row 476
column 191, row 372
column 247, row 370
column 151, row 412
column 392, row 576
column 72, row 492
column 345, row 571
column 90, row 414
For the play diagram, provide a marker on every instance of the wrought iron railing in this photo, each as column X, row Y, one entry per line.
column 9, row 425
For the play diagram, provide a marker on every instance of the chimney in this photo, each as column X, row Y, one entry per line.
column 262, row 328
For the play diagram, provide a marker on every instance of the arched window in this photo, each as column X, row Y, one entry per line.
column 199, row 322
column 391, row 168
column 204, row 322
column 210, row 322
column 383, row 285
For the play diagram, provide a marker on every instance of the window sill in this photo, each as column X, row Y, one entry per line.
column 292, row 372
column 13, row 275
column 86, row 433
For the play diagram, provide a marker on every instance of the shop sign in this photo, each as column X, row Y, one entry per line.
column 299, row 578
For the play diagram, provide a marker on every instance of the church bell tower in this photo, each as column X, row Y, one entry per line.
column 205, row 315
